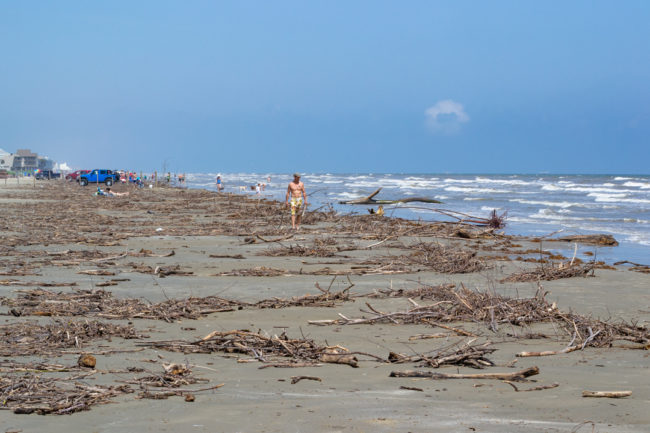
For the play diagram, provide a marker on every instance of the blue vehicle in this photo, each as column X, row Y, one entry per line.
column 107, row 177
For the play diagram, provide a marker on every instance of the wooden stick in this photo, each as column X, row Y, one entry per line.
column 536, row 388
column 296, row 379
column 427, row 336
column 548, row 352
column 449, row 328
column 411, row 388
column 607, row 394
column 518, row 375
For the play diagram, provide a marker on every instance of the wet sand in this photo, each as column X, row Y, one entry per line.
column 196, row 225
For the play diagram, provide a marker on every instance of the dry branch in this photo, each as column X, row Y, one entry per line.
column 519, row 375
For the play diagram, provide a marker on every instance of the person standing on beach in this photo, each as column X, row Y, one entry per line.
column 219, row 184
column 296, row 190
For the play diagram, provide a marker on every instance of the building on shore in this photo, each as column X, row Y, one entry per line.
column 6, row 160
column 23, row 161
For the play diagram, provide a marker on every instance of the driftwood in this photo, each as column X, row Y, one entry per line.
column 568, row 349
column 599, row 239
column 296, row 379
column 34, row 394
column 465, row 305
column 535, row 388
column 31, row 338
column 518, row 375
column 470, row 356
column 34, row 283
column 371, row 201
column 101, row 303
column 549, row 273
column 607, row 394
column 636, row 267
column 266, row 349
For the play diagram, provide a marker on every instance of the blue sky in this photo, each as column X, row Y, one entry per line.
column 329, row 86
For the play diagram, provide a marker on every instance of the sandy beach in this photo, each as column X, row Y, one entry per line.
column 179, row 269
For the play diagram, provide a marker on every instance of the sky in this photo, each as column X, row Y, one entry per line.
column 329, row 86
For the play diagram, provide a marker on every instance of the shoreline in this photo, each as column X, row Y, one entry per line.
column 208, row 232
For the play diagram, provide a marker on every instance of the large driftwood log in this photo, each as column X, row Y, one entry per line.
column 518, row 375
column 371, row 201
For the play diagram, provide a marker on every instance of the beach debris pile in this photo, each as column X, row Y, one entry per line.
column 29, row 393
column 26, row 338
column 444, row 259
column 468, row 355
column 101, row 303
column 271, row 350
column 494, row 310
column 551, row 272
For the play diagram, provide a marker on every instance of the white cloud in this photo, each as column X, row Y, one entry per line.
column 446, row 116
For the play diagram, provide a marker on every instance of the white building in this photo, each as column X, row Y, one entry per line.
column 6, row 160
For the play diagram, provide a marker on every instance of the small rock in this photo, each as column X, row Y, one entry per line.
column 189, row 398
column 87, row 361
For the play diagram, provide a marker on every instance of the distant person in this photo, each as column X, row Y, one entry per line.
column 258, row 189
column 296, row 190
column 219, row 183
column 110, row 193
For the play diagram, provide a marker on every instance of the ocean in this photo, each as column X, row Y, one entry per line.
column 535, row 204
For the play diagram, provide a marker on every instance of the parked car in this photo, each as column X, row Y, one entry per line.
column 47, row 174
column 75, row 175
column 99, row 176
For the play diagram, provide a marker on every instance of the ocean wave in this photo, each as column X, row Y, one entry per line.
column 597, row 189
column 476, row 190
column 618, row 198
column 347, row 195
column 504, row 181
column 642, row 185
column 610, row 196
column 555, row 215
column 449, row 180
column 563, row 204
column 638, row 239
column 622, row 178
